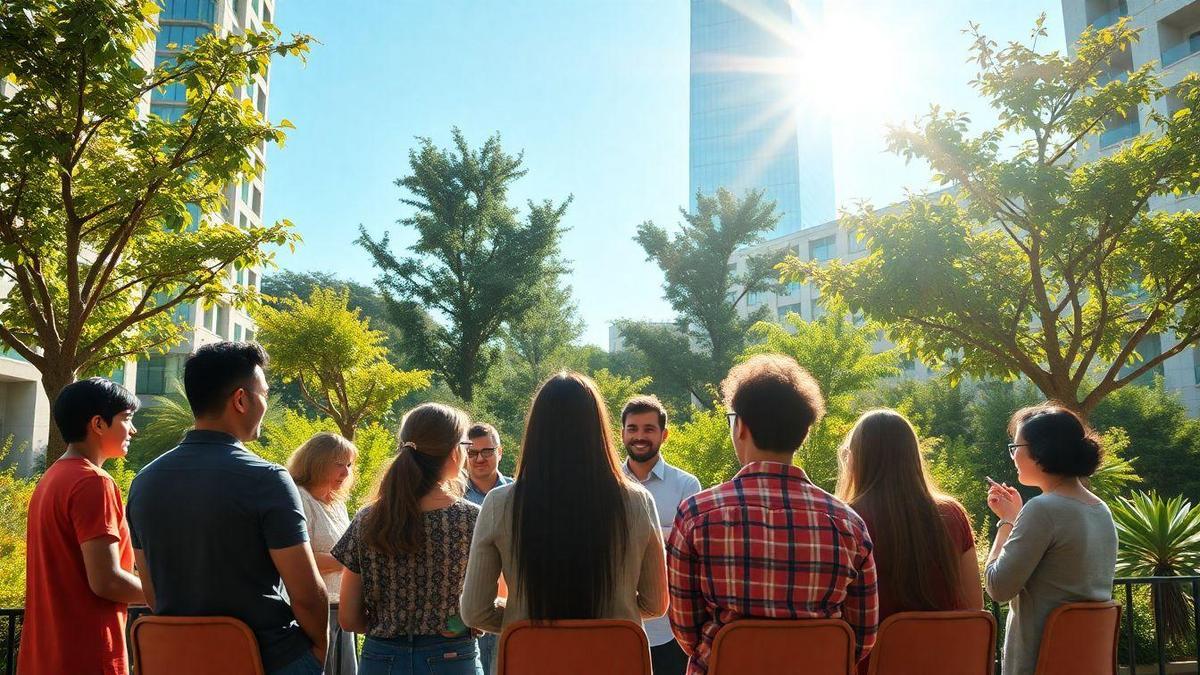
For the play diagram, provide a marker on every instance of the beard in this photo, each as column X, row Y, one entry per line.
column 643, row 453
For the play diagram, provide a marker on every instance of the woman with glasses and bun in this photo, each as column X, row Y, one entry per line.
column 405, row 555
column 572, row 536
column 1059, row 547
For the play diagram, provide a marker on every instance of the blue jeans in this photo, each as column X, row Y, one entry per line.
column 420, row 655
column 487, row 652
column 307, row 664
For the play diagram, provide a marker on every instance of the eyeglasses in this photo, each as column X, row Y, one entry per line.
column 486, row 453
column 1012, row 449
column 731, row 416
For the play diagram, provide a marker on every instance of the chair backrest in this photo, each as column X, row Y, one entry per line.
column 194, row 645
column 917, row 643
column 783, row 647
column 1080, row 637
column 579, row 647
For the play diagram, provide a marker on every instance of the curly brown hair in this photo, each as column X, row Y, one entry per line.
column 776, row 399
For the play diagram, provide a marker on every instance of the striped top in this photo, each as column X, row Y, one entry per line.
column 768, row 544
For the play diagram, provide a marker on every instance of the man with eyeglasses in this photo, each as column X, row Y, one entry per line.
column 482, row 475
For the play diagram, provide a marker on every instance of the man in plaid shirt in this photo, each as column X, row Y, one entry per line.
column 769, row 543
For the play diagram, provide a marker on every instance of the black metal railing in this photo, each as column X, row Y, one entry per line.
column 1123, row 588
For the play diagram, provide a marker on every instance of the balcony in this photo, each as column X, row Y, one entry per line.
column 1110, row 17
column 1182, row 50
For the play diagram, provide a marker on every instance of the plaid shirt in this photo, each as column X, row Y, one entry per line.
column 768, row 544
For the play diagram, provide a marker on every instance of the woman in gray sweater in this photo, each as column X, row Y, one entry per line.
column 1060, row 547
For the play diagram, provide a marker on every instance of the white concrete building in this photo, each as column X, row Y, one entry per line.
column 1170, row 38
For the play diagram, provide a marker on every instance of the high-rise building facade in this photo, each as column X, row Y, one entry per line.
column 1170, row 39
column 747, row 129
column 180, row 23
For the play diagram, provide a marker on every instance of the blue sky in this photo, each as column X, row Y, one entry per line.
column 596, row 94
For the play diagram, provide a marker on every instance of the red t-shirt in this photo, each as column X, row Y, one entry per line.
column 958, row 526
column 68, row 628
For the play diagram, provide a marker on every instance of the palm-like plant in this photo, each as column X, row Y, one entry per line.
column 1160, row 538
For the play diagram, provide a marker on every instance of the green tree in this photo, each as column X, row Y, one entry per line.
column 95, row 231
column 702, row 446
column 283, row 284
column 540, row 334
column 840, row 356
column 1037, row 262
column 1163, row 441
column 616, row 390
column 335, row 358
column 476, row 264
column 703, row 291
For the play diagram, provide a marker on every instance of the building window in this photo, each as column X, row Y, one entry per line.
column 237, row 332
column 210, row 314
column 222, row 328
column 783, row 310
column 817, row 310
column 262, row 102
column 252, row 279
column 189, row 10
column 792, row 288
column 1121, row 128
column 822, row 249
column 855, row 242
column 156, row 374
column 249, row 335
column 755, row 298
column 257, row 202
column 1196, row 363
column 1148, row 348
column 246, row 192
column 241, row 276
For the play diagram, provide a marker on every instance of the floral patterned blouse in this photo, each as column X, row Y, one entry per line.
column 413, row 594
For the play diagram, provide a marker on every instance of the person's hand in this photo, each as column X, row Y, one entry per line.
column 1004, row 501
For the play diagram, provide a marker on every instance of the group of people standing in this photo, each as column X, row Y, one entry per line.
column 449, row 551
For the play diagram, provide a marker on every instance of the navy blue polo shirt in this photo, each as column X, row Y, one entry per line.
column 205, row 515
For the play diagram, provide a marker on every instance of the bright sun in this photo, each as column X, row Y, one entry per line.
column 847, row 64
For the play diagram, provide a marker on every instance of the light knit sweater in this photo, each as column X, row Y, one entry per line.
column 640, row 586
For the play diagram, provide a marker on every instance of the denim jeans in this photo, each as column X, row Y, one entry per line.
column 420, row 655
column 307, row 664
column 487, row 652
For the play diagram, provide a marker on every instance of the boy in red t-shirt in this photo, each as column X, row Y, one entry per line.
column 79, row 566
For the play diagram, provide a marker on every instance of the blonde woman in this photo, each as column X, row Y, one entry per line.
column 323, row 470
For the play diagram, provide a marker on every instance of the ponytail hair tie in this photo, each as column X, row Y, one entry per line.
column 410, row 445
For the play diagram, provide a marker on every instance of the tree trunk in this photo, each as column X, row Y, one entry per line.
column 346, row 429
column 54, row 378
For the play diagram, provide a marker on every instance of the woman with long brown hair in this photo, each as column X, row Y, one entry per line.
column 924, row 549
column 572, row 536
column 405, row 555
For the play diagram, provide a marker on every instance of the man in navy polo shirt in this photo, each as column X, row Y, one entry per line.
column 219, row 531
column 482, row 474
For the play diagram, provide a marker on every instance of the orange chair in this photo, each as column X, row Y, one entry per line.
column 783, row 647
column 193, row 645
column 1080, row 637
column 578, row 647
column 918, row 643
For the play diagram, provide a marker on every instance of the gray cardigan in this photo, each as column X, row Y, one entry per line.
column 641, row 583
column 1060, row 550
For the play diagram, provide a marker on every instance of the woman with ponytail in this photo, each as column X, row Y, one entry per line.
column 405, row 555
column 573, row 538
column 1061, row 546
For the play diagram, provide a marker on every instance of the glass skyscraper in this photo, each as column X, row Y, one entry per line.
column 746, row 129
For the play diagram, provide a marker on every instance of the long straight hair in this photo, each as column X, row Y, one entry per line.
column 569, row 520
column 883, row 477
column 429, row 435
